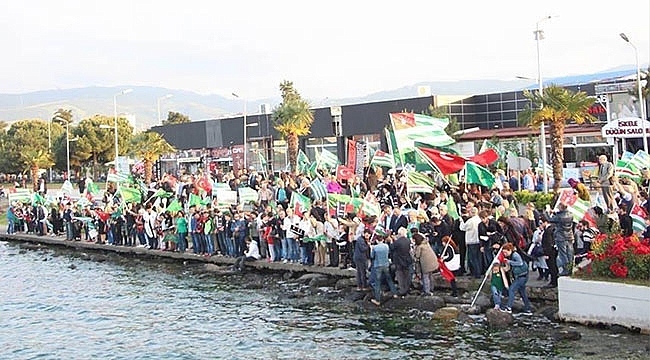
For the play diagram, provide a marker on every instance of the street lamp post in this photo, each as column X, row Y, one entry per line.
column 245, row 125
column 539, row 35
column 67, row 146
column 638, row 82
column 126, row 91
column 49, row 144
column 158, row 103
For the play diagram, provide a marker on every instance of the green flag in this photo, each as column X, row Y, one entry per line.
column 327, row 159
column 92, row 188
column 476, row 174
column 130, row 195
column 37, row 199
column 392, row 147
column 419, row 182
column 174, row 206
column 300, row 203
column 452, row 209
column 194, row 200
column 163, row 194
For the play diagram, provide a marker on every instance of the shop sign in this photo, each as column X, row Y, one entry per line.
column 629, row 127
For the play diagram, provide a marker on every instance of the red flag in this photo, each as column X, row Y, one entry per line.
column 344, row 173
column 204, row 183
column 102, row 215
column 446, row 163
column 486, row 157
column 444, row 271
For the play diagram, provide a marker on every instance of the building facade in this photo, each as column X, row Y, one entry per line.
column 219, row 142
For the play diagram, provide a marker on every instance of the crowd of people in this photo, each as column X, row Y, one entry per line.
column 463, row 230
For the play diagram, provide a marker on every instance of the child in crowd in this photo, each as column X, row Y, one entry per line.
column 498, row 283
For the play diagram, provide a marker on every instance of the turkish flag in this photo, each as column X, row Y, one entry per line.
column 447, row 163
column 204, row 183
column 344, row 173
column 486, row 157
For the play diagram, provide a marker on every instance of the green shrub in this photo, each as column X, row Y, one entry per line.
column 540, row 199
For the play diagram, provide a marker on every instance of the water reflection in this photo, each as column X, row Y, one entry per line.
column 61, row 306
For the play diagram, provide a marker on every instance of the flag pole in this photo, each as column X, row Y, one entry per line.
column 496, row 257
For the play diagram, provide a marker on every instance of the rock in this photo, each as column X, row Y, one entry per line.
column 212, row 267
column 321, row 281
column 498, row 319
column 428, row 303
column 463, row 318
column 483, row 301
column 72, row 266
column 356, row 296
column 566, row 335
column 419, row 329
column 540, row 293
column 471, row 310
column 345, row 283
column 550, row 312
column 618, row 329
column 446, row 313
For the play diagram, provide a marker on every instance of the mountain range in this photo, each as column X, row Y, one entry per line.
column 141, row 104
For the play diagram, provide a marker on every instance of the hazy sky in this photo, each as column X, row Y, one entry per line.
column 329, row 48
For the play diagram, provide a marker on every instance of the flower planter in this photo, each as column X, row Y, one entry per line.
column 600, row 302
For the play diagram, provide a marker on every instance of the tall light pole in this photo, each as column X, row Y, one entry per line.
column 638, row 82
column 125, row 91
column 67, row 145
column 539, row 35
column 49, row 144
column 245, row 125
column 158, row 103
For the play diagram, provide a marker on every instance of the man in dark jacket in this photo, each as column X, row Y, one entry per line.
column 400, row 251
column 563, row 233
column 550, row 252
column 398, row 220
column 440, row 230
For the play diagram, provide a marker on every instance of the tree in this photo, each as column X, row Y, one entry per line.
column 292, row 119
column 27, row 148
column 149, row 146
column 96, row 144
column 176, row 118
column 555, row 108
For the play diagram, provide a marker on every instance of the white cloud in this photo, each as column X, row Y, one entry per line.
column 329, row 49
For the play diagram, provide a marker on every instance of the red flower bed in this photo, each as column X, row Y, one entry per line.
column 613, row 255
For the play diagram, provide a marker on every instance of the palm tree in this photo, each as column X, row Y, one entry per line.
column 555, row 108
column 149, row 146
column 34, row 160
column 292, row 119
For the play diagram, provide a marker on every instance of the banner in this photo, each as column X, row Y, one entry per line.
column 361, row 159
column 351, row 162
column 226, row 196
